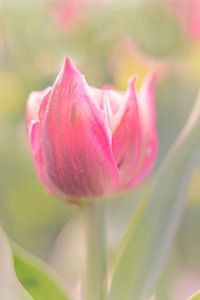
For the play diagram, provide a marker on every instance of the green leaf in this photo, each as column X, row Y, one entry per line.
column 37, row 278
column 10, row 287
column 142, row 253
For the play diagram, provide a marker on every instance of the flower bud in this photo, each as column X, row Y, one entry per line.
column 89, row 142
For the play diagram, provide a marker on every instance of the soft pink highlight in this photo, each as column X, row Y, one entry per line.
column 188, row 14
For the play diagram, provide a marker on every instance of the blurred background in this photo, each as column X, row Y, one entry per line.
column 109, row 41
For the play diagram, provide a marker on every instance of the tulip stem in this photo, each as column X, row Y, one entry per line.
column 95, row 250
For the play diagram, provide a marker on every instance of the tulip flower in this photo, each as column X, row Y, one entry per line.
column 89, row 142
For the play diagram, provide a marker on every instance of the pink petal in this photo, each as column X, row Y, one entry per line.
column 37, row 104
column 112, row 103
column 126, row 138
column 149, row 147
column 36, row 144
column 76, row 144
column 33, row 105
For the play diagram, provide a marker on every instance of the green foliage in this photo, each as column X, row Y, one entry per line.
column 145, row 246
column 36, row 278
column 10, row 287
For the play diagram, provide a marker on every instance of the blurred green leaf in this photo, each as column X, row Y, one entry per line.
column 145, row 246
column 10, row 287
column 195, row 297
column 37, row 278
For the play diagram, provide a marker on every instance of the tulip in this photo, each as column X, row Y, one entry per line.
column 88, row 142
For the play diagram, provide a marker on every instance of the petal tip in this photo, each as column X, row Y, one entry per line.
column 68, row 66
column 68, row 63
column 150, row 80
column 147, row 91
column 132, row 80
column 70, row 70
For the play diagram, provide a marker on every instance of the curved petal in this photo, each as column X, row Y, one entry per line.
column 33, row 105
column 36, row 145
column 112, row 103
column 149, row 147
column 33, row 108
column 126, row 139
column 37, row 104
column 76, row 144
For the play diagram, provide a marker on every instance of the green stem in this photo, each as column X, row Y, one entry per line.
column 95, row 250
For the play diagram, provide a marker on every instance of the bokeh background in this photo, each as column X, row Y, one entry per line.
column 109, row 41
